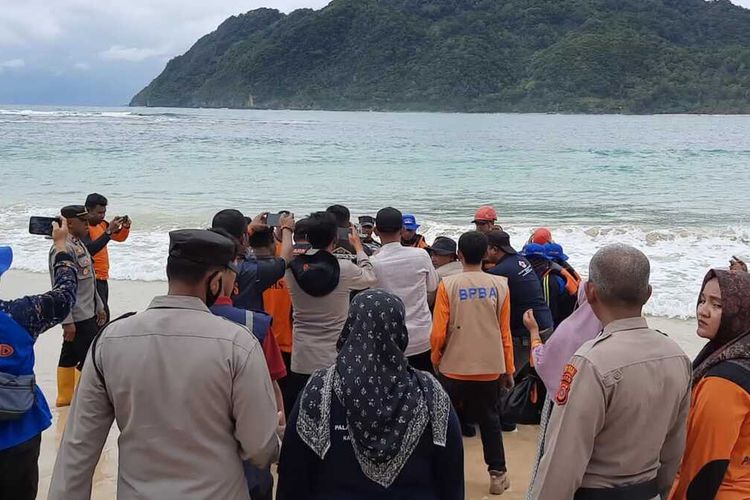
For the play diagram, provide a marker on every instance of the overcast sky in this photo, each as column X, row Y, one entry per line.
column 101, row 52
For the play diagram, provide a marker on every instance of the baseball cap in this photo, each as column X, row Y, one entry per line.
column 501, row 240
column 555, row 251
column 485, row 213
column 389, row 220
column 366, row 221
column 541, row 236
column 534, row 250
column 443, row 246
column 74, row 212
column 410, row 222
column 6, row 258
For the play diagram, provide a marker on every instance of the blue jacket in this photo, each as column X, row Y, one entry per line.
column 21, row 322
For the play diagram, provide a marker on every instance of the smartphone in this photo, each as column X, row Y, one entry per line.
column 273, row 220
column 344, row 233
column 42, row 226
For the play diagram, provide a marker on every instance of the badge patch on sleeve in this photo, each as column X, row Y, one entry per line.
column 567, row 378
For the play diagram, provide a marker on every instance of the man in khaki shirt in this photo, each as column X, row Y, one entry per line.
column 618, row 427
column 190, row 392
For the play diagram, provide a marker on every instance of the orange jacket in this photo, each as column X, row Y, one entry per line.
column 278, row 303
column 441, row 324
column 717, row 453
column 101, row 258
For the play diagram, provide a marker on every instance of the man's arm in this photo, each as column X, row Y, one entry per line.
column 433, row 280
column 577, row 418
column 96, row 246
column 89, row 422
column 440, row 321
column 122, row 234
column 254, row 407
column 287, row 240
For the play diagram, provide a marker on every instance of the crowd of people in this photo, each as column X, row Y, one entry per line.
column 357, row 356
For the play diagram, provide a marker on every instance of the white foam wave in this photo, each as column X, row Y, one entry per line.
column 679, row 257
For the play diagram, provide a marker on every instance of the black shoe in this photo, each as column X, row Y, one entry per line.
column 468, row 430
column 508, row 427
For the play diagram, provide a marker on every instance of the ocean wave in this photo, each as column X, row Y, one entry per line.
column 39, row 116
column 679, row 257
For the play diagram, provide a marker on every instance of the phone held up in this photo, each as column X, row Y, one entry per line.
column 344, row 233
column 42, row 226
column 273, row 220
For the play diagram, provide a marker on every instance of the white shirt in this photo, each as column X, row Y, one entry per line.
column 408, row 273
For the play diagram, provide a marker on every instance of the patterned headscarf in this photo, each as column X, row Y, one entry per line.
column 732, row 342
column 388, row 404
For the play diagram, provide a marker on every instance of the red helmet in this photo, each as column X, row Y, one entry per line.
column 485, row 213
column 541, row 236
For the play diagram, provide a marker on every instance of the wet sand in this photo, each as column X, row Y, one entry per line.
column 128, row 296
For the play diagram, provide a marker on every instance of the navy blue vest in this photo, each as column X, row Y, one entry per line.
column 258, row 322
column 17, row 358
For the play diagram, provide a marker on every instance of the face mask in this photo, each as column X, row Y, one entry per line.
column 212, row 297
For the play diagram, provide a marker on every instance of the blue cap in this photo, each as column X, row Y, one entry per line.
column 6, row 258
column 410, row 222
column 534, row 250
column 555, row 251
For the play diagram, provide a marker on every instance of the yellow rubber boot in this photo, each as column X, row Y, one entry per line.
column 66, row 379
column 77, row 377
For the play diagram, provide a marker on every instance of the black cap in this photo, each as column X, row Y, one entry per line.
column 366, row 220
column 389, row 220
column 231, row 221
column 201, row 246
column 501, row 240
column 443, row 246
column 74, row 212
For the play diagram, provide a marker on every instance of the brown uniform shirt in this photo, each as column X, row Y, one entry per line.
column 620, row 414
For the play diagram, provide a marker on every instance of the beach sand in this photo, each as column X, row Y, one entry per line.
column 126, row 296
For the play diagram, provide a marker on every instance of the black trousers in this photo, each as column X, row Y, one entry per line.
column 421, row 362
column 479, row 402
column 295, row 384
column 73, row 353
column 19, row 470
column 286, row 386
column 102, row 288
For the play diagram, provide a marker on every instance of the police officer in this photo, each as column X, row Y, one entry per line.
column 24, row 410
column 617, row 430
column 190, row 391
column 89, row 312
column 367, row 228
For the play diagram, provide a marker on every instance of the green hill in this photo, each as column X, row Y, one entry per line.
column 631, row 56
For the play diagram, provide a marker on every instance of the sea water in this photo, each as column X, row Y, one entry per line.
column 678, row 187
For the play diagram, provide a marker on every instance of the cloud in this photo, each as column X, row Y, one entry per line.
column 82, row 65
column 12, row 64
column 130, row 54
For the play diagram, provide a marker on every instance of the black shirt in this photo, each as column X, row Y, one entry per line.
column 525, row 293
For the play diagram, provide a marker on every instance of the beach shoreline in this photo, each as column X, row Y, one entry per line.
column 129, row 296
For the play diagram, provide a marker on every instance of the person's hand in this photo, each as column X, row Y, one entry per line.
column 126, row 222
column 287, row 221
column 115, row 226
column 355, row 240
column 281, row 428
column 60, row 233
column 737, row 264
column 529, row 321
column 69, row 332
column 101, row 318
column 506, row 381
column 258, row 223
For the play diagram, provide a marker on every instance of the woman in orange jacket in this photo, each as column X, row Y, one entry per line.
column 716, row 464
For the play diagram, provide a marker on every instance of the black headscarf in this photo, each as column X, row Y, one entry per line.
column 732, row 341
column 388, row 404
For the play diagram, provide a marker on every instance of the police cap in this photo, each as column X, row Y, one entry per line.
column 74, row 212
column 201, row 246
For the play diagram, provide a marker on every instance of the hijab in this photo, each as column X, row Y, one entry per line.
column 388, row 404
column 732, row 341
column 577, row 329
